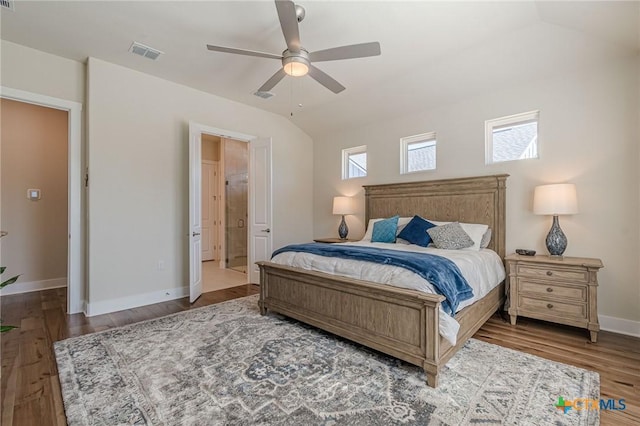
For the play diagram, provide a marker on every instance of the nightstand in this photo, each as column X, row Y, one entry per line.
column 333, row 240
column 561, row 291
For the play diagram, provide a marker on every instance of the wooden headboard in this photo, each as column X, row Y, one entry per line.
column 471, row 200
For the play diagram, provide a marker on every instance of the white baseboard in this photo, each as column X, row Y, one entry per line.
column 29, row 286
column 619, row 325
column 135, row 301
column 607, row 323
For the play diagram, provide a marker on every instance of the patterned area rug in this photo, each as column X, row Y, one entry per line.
column 226, row 365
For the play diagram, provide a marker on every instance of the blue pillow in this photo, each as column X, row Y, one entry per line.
column 384, row 231
column 416, row 231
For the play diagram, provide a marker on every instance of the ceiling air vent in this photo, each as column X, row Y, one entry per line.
column 7, row 4
column 263, row 95
column 142, row 50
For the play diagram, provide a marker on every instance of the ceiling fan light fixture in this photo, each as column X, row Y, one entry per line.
column 295, row 66
column 296, row 60
column 296, row 69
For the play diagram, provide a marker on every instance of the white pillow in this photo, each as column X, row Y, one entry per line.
column 402, row 222
column 475, row 230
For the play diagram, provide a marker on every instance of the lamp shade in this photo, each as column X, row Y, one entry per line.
column 343, row 205
column 555, row 199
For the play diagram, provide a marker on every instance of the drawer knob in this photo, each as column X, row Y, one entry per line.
column 549, row 289
column 549, row 305
column 549, row 273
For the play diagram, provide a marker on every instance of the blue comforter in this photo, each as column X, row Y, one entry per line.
column 442, row 273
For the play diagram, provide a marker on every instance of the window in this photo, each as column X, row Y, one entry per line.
column 354, row 162
column 512, row 138
column 418, row 153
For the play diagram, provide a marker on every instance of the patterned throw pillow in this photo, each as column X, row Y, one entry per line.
column 384, row 231
column 486, row 239
column 416, row 231
column 450, row 236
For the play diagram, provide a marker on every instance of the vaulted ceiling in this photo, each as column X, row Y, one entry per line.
column 432, row 52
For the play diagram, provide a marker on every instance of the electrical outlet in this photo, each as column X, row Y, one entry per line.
column 161, row 265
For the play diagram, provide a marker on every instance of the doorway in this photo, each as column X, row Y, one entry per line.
column 34, row 195
column 225, row 172
column 75, row 250
column 259, row 236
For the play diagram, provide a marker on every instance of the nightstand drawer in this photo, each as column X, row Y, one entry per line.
column 553, row 290
column 555, row 273
column 554, row 308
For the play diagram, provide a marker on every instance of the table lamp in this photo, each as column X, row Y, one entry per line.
column 343, row 206
column 555, row 200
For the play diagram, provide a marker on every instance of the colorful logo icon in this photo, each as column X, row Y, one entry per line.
column 563, row 405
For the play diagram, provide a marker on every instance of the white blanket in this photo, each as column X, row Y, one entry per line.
column 482, row 269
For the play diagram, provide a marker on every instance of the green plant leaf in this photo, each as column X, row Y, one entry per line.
column 9, row 281
column 4, row 328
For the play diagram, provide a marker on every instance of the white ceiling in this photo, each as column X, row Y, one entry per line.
column 432, row 52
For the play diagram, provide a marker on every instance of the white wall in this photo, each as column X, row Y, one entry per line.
column 39, row 72
column 138, row 163
column 132, row 114
column 588, row 136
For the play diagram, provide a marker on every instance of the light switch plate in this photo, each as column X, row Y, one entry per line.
column 33, row 194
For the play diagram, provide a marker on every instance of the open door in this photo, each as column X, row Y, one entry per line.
column 195, row 212
column 260, row 235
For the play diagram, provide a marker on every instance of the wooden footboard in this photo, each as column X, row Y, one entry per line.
column 399, row 322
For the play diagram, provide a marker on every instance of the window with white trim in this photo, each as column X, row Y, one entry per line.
column 354, row 162
column 511, row 138
column 418, row 153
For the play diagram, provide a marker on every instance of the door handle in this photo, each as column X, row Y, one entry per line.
column 266, row 230
column 195, row 234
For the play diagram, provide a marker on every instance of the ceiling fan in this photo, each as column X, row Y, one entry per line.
column 296, row 60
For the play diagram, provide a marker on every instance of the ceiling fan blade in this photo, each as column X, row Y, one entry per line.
column 243, row 52
column 275, row 79
column 289, row 23
column 324, row 79
column 362, row 50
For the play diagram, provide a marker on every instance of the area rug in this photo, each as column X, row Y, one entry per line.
column 225, row 364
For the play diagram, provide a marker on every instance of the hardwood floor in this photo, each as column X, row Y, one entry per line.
column 30, row 391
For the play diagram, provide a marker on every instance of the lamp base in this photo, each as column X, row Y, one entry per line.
column 556, row 240
column 343, row 230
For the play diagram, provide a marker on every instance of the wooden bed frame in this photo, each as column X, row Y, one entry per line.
column 399, row 322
